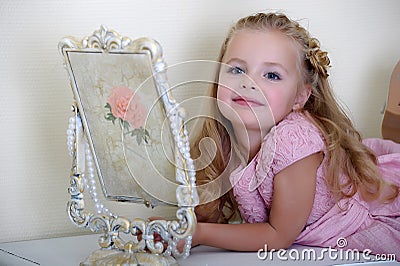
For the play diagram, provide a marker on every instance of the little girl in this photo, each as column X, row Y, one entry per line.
column 298, row 169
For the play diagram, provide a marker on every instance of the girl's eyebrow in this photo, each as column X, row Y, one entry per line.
column 235, row 59
column 274, row 64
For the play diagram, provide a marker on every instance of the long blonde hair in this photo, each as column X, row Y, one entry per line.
column 345, row 152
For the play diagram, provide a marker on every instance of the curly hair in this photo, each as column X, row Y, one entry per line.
column 346, row 154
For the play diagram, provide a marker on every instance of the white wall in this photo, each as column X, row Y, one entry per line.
column 361, row 36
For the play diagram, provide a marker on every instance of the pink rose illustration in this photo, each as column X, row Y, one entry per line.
column 136, row 114
column 126, row 106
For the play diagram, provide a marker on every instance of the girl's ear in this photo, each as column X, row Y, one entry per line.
column 302, row 97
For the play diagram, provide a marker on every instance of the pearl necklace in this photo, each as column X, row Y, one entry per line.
column 89, row 181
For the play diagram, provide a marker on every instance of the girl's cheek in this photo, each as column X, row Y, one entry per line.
column 229, row 82
column 223, row 93
column 223, row 96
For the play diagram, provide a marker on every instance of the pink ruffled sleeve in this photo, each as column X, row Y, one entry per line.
column 291, row 140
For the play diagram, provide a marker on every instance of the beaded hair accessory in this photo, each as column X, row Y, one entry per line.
column 318, row 59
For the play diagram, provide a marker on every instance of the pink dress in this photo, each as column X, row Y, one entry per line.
column 362, row 225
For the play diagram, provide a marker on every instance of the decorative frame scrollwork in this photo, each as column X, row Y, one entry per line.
column 139, row 231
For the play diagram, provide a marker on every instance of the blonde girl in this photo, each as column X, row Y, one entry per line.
column 287, row 158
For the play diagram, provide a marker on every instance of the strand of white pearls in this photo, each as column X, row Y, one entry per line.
column 89, row 181
column 181, row 139
column 188, row 246
column 71, row 136
column 172, row 249
column 184, row 147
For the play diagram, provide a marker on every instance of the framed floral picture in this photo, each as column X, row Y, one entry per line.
column 126, row 122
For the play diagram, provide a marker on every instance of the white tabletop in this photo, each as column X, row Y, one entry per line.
column 73, row 250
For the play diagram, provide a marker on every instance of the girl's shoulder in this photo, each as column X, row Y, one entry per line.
column 294, row 138
column 299, row 127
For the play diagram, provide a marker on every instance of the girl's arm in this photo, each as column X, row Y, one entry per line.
column 293, row 197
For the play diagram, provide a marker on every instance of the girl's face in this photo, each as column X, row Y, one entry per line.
column 259, row 80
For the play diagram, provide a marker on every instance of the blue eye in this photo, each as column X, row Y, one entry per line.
column 272, row 76
column 235, row 70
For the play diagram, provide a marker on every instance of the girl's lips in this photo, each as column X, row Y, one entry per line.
column 246, row 101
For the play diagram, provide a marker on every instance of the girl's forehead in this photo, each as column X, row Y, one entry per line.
column 271, row 44
column 265, row 37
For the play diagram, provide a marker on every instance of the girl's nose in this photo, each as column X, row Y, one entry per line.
column 246, row 82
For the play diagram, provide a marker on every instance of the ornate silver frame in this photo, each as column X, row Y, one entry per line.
column 141, row 246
